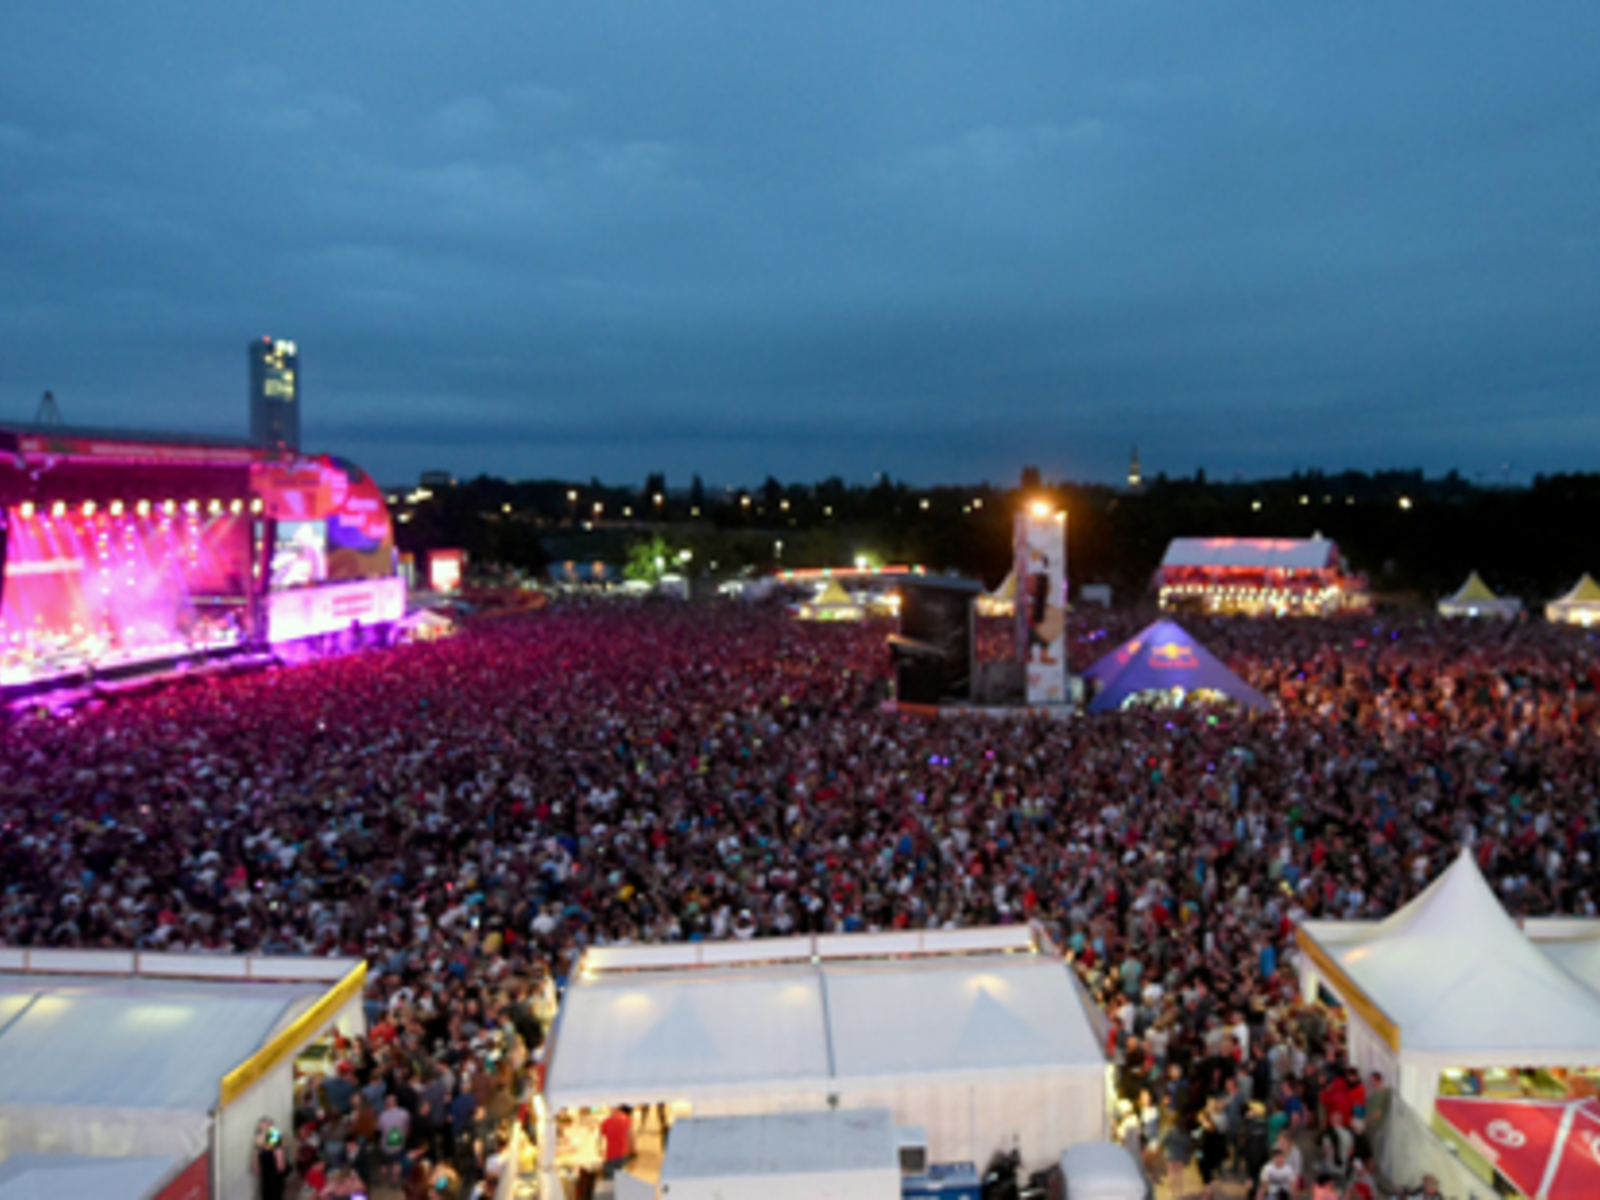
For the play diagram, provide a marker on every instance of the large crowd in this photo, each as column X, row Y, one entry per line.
column 468, row 815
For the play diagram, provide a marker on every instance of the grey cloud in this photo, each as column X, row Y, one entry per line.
column 932, row 238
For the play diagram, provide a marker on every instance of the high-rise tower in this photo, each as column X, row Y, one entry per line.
column 1135, row 475
column 275, row 393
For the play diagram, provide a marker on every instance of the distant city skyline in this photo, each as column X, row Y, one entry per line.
column 938, row 240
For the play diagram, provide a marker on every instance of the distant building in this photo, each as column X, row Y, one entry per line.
column 437, row 479
column 274, row 393
column 1135, row 475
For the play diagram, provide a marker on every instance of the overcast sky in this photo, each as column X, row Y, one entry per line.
column 941, row 240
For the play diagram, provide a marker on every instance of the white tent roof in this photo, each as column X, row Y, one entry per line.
column 1275, row 553
column 76, row 1176
column 1464, row 985
column 801, row 1028
column 861, row 1139
column 947, row 1015
column 117, row 1042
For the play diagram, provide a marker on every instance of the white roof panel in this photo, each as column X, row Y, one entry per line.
column 662, row 1034
column 73, row 1177
column 941, row 1015
column 794, row 1030
column 860, row 1139
column 1275, row 553
column 133, row 1042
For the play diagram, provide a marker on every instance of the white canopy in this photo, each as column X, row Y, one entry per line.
column 1475, row 599
column 1450, row 981
column 1580, row 606
column 977, row 1047
column 1278, row 554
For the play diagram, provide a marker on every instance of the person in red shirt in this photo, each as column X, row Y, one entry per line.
column 616, row 1131
column 1344, row 1095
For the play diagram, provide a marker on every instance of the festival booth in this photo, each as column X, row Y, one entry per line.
column 121, row 1056
column 1580, row 606
column 1474, row 599
column 1163, row 663
column 831, row 603
column 983, row 1037
column 1451, row 1000
column 1259, row 577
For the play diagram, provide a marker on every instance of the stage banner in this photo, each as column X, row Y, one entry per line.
column 1041, row 574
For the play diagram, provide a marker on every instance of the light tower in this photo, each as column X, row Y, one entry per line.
column 1135, row 475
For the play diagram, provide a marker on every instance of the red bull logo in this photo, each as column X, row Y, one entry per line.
column 1173, row 655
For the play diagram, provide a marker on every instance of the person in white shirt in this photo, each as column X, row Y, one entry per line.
column 1278, row 1178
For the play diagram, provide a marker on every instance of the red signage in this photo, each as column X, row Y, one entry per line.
column 192, row 1183
column 1545, row 1148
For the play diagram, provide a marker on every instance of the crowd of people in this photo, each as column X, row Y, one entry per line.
column 470, row 814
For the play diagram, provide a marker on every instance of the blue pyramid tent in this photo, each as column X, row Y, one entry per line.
column 1160, row 658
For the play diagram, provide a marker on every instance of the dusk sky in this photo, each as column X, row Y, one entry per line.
column 939, row 240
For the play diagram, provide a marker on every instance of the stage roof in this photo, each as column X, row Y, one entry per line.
column 1279, row 554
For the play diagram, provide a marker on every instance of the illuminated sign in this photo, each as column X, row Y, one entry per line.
column 1173, row 655
column 444, row 569
column 310, row 611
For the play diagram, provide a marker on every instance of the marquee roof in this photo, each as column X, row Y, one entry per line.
column 1298, row 554
column 1461, row 984
column 824, row 1013
column 144, row 1043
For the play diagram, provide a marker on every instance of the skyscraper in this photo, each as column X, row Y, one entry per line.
column 275, row 393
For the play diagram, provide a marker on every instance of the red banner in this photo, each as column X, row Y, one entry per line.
column 192, row 1183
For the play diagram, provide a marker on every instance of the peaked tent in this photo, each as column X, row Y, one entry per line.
column 1450, row 981
column 1001, row 602
column 1162, row 657
column 1475, row 599
column 832, row 603
column 1580, row 606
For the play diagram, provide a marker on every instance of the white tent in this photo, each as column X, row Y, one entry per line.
column 1580, row 606
column 1450, row 981
column 133, row 1055
column 1474, row 599
column 980, row 1036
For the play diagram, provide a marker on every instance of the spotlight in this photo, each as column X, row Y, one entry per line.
column 191, row 506
column 88, row 508
column 116, row 508
column 169, row 507
column 237, row 506
column 26, row 510
column 255, row 505
column 142, row 508
column 214, row 507
column 58, row 509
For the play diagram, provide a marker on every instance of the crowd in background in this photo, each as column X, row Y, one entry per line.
column 470, row 814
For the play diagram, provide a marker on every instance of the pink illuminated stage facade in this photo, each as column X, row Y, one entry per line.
column 119, row 552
